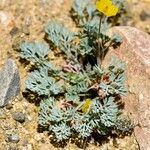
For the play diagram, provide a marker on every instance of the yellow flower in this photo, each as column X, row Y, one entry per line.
column 107, row 7
column 86, row 106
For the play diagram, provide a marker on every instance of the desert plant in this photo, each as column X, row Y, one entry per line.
column 80, row 97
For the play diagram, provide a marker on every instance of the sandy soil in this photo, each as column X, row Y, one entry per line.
column 24, row 21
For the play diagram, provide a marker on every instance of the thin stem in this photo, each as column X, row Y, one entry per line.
column 99, row 44
column 84, row 95
column 103, row 51
column 100, row 24
column 84, row 143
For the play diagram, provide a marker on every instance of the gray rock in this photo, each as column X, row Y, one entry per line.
column 19, row 116
column 9, row 82
column 14, row 138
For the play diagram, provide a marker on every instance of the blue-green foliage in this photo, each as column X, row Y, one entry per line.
column 83, row 11
column 115, row 86
column 78, row 84
column 61, row 37
column 35, row 52
column 61, row 131
column 64, row 91
column 40, row 83
column 55, row 118
column 109, row 112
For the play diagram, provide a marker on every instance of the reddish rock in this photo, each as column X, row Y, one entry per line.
column 6, row 20
column 135, row 51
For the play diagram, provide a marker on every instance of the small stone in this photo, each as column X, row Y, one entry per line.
column 19, row 116
column 29, row 117
column 9, row 82
column 14, row 31
column 9, row 106
column 144, row 15
column 2, row 112
column 13, row 138
column 16, row 43
column 26, row 30
column 12, row 148
column 38, row 136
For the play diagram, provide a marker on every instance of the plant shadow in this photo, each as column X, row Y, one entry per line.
column 95, row 139
column 32, row 97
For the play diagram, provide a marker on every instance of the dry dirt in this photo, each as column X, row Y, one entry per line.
column 24, row 21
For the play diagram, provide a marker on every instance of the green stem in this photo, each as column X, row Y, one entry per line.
column 84, row 95
column 104, row 49
column 100, row 24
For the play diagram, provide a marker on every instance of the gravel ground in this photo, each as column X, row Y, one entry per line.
column 24, row 21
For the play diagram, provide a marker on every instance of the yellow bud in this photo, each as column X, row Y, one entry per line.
column 86, row 106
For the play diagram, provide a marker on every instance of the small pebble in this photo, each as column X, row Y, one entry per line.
column 38, row 137
column 144, row 15
column 29, row 118
column 14, row 31
column 12, row 148
column 2, row 111
column 19, row 116
column 13, row 138
column 9, row 106
column 26, row 30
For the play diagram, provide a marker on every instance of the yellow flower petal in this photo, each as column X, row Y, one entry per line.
column 102, row 5
column 106, row 7
column 85, row 107
column 112, row 11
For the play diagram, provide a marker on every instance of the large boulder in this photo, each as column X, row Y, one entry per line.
column 135, row 51
column 9, row 82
